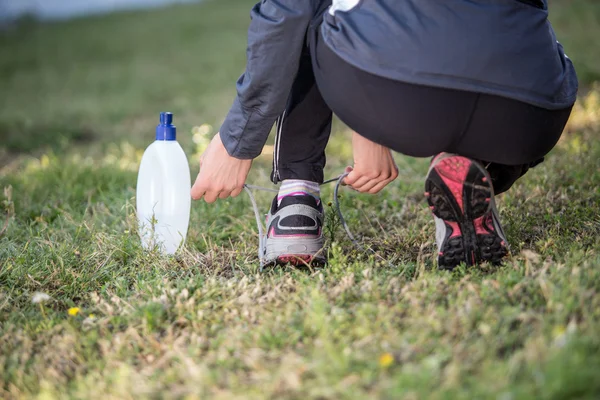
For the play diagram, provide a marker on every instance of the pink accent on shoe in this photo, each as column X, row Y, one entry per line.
column 453, row 171
column 455, row 229
column 437, row 156
column 294, row 194
column 483, row 225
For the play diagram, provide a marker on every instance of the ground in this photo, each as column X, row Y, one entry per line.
column 85, row 313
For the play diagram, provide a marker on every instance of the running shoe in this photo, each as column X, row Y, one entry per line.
column 461, row 197
column 295, row 232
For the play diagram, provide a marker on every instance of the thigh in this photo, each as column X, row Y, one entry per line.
column 423, row 121
column 411, row 119
column 511, row 132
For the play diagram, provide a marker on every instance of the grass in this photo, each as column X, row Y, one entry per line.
column 78, row 105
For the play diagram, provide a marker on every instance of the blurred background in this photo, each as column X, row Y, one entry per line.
column 63, row 9
column 78, row 76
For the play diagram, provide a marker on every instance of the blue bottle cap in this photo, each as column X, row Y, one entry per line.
column 166, row 130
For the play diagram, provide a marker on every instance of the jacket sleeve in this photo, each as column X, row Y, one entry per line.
column 275, row 41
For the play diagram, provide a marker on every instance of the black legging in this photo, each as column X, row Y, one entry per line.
column 507, row 135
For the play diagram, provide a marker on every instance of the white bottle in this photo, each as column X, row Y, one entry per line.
column 163, row 191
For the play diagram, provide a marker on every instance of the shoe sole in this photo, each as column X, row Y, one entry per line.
column 294, row 251
column 299, row 260
column 459, row 191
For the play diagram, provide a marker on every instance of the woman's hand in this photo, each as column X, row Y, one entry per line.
column 220, row 174
column 374, row 166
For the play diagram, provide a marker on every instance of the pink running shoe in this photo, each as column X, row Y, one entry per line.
column 461, row 197
column 295, row 232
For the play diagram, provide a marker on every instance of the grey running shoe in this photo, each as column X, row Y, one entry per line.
column 295, row 232
column 461, row 197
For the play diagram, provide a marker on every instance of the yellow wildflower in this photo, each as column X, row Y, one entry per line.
column 559, row 331
column 73, row 311
column 385, row 360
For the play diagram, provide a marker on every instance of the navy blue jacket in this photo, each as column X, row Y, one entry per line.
column 500, row 47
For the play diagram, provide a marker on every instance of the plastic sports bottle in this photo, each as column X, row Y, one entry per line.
column 163, row 191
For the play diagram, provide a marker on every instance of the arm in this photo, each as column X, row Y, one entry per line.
column 275, row 41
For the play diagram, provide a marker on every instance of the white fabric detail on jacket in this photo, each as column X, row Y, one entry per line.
column 342, row 5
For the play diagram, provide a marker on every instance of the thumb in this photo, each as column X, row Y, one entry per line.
column 351, row 177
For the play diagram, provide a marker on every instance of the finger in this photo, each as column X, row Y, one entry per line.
column 198, row 190
column 375, row 185
column 362, row 182
column 211, row 196
column 370, row 184
column 379, row 186
column 352, row 177
column 197, row 195
column 348, row 170
column 237, row 191
column 356, row 180
column 393, row 174
column 224, row 194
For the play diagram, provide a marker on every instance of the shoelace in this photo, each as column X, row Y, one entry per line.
column 262, row 237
